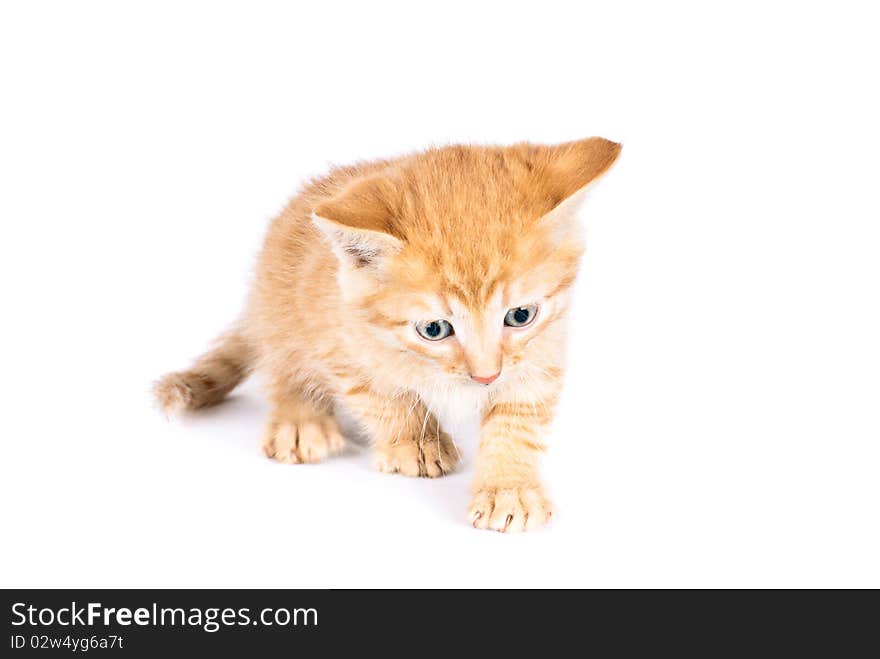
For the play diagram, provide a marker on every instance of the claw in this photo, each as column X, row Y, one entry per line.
column 477, row 518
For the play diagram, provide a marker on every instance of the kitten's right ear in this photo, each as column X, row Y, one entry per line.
column 357, row 222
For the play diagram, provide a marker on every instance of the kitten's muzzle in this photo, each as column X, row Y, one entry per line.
column 485, row 380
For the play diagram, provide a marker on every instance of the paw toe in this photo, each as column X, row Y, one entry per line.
column 304, row 442
column 509, row 509
column 429, row 458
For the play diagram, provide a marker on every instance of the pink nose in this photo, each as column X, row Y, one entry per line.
column 487, row 380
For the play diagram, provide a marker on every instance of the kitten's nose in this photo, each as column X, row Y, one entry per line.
column 487, row 380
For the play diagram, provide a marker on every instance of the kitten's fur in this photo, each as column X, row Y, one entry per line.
column 461, row 233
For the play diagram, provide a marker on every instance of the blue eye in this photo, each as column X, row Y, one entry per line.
column 435, row 330
column 521, row 316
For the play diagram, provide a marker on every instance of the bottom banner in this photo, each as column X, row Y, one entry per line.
column 275, row 622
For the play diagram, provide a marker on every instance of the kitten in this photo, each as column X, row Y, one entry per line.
column 408, row 292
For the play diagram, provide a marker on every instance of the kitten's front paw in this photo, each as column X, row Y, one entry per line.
column 431, row 457
column 510, row 509
column 308, row 440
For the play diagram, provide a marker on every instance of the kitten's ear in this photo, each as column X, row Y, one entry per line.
column 568, row 170
column 358, row 222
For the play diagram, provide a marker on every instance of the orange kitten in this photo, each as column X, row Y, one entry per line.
column 412, row 293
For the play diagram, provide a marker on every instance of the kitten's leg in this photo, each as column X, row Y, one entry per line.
column 301, row 430
column 508, row 495
column 408, row 439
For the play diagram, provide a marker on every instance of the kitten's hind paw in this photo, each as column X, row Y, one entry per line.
column 301, row 441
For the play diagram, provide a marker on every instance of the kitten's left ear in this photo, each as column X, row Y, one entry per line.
column 568, row 170
column 572, row 167
column 358, row 222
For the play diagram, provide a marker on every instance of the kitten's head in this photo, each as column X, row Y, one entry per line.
column 462, row 257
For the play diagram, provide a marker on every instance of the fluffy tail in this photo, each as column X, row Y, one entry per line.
column 210, row 379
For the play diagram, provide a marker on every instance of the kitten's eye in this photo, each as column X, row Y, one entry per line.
column 435, row 330
column 521, row 316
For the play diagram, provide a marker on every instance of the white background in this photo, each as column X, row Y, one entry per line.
column 720, row 422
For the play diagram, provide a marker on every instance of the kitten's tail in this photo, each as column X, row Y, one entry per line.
column 210, row 378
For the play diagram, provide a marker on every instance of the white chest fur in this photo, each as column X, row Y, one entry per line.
column 458, row 409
